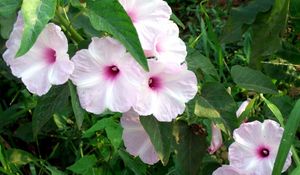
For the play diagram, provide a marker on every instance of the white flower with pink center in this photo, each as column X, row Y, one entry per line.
column 228, row 170
column 216, row 139
column 45, row 64
column 146, row 16
column 166, row 89
column 136, row 140
column 165, row 44
column 106, row 76
column 255, row 148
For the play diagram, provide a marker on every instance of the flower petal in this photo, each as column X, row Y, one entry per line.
column 136, row 140
column 227, row 170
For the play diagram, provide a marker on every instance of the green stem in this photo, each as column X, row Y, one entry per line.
column 64, row 22
column 295, row 155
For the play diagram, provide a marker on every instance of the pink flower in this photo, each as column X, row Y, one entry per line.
column 255, row 148
column 166, row 89
column 227, row 170
column 146, row 16
column 165, row 44
column 136, row 140
column 242, row 108
column 106, row 76
column 45, row 64
column 216, row 139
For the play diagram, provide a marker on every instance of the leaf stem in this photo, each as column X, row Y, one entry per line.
column 67, row 24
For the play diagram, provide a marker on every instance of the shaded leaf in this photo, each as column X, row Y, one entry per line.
column 109, row 16
column 243, row 15
column 112, row 129
column 19, row 157
column 83, row 165
column 77, row 109
column 252, row 80
column 54, row 170
column 196, row 61
column 160, row 134
column 189, row 149
column 138, row 167
column 36, row 14
column 215, row 103
column 289, row 53
column 55, row 101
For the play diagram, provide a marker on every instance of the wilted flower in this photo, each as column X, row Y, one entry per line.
column 227, row 170
column 136, row 140
column 166, row 89
column 255, row 148
column 106, row 76
column 45, row 64
column 146, row 15
column 216, row 139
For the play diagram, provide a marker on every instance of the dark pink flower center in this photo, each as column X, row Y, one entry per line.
column 154, row 83
column 111, row 72
column 50, row 55
column 263, row 152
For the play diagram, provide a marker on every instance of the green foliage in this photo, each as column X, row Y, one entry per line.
column 287, row 138
column 243, row 15
column 84, row 165
column 238, row 50
column 36, row 14
column 190, row 147
column 160, row 134
column 252, row 80
column 54, row 102
column 118, row 24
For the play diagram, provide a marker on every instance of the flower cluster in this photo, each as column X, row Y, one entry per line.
column 254, row 150
column 105, row 74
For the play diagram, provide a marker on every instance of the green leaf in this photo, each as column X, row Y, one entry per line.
column 112, row 129
column 287, row 138
column 54, row 170
column 296, row 171
column 8, row 7
column 84, row 165
column 109, row 16
column 266, row 32
column 189, row 149
column 196, row 60
column 289, row 52
column 36, row 14
column 160, row 134
column 274, row 110
column 19, row 157
column 53, row 102
column 252, row 80
column 241, row 16
column 177, row 21
column 138, row 167
column 215, row 103
column 78, row 111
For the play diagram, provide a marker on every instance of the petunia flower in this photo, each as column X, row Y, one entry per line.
column 228, row 170
column 45, row 64
column 242, row 108
column 106, row 76
column 165, row 44
column 136, row 140
column 216, row 139
column 146, row 16
column 165, row 90
column 255, row 148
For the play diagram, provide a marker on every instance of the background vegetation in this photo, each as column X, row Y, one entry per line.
column 239, row 49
